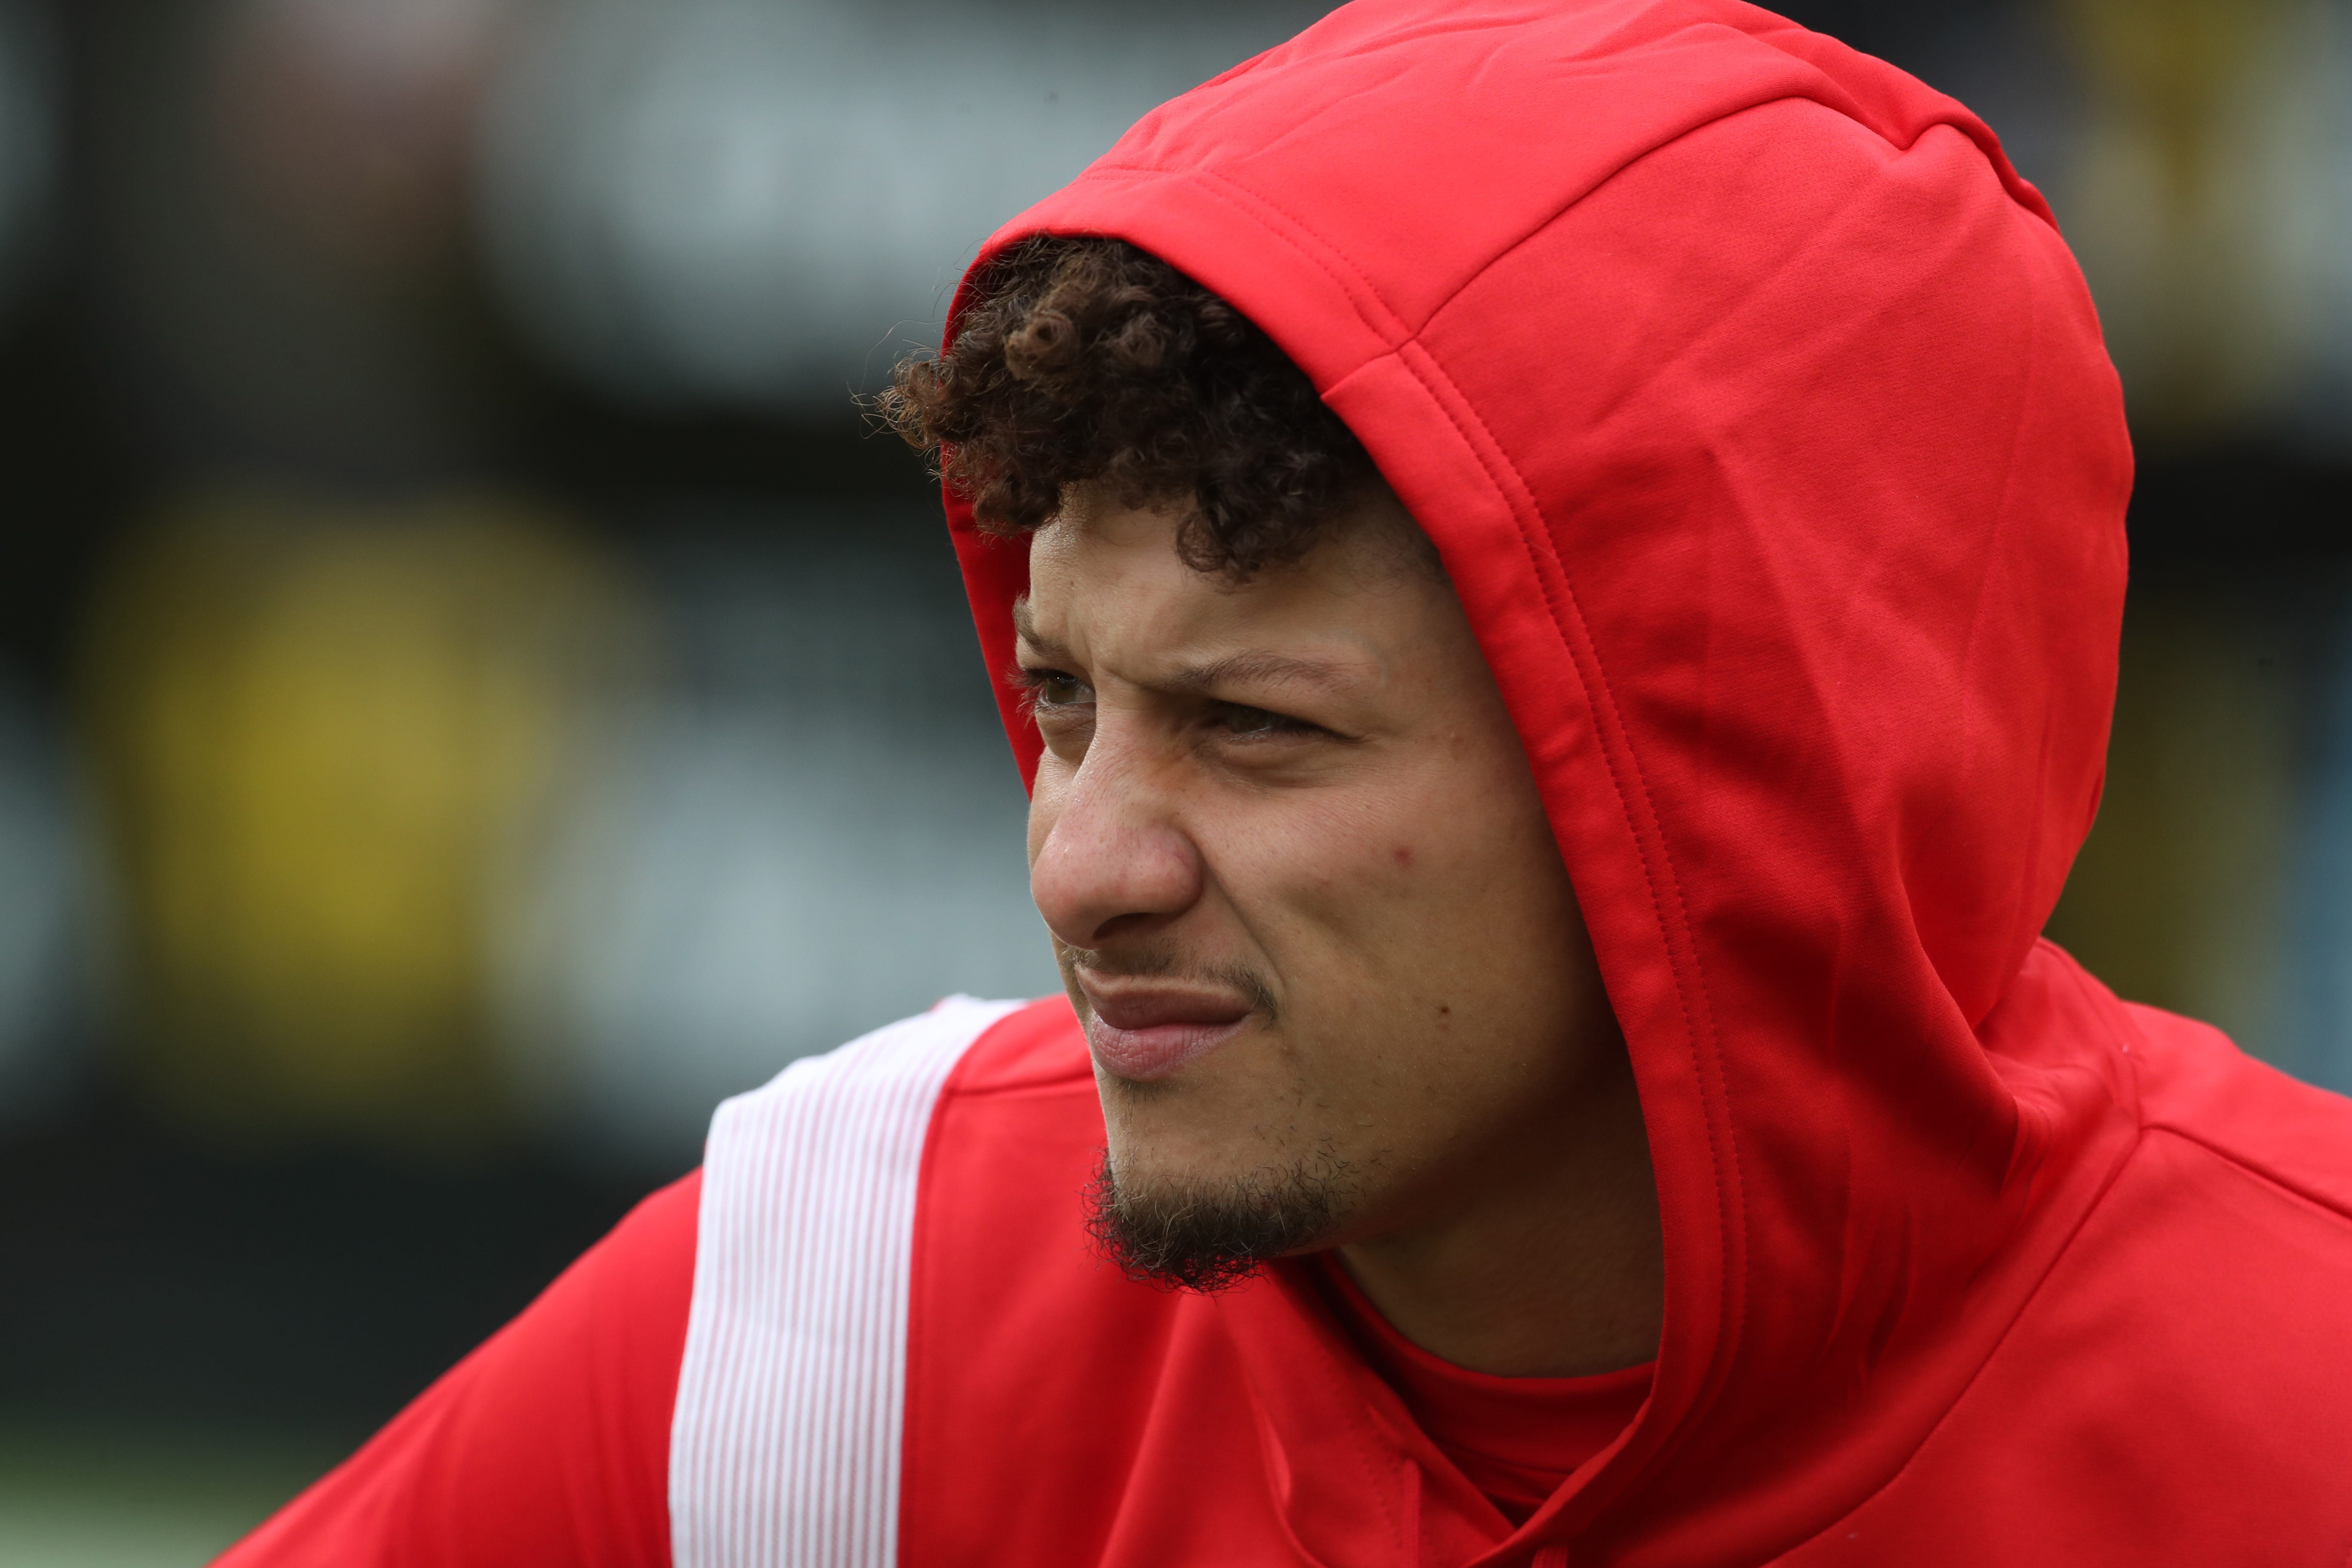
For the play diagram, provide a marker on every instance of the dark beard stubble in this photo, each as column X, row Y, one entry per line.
column 1209, row 1236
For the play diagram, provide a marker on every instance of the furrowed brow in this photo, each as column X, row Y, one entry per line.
column 1257, row 668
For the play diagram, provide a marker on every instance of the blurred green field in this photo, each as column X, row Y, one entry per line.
column 74, row 1497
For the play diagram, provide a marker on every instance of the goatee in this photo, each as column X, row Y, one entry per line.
column 1209, row 1236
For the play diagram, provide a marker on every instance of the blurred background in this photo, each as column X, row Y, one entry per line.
column 473, row 693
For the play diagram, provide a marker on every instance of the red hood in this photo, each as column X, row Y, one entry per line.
column 1762, row 417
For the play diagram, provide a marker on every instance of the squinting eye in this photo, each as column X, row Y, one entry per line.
column 1241, row 721
column 1054, row 689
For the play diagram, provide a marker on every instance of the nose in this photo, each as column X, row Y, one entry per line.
column 1108, row 856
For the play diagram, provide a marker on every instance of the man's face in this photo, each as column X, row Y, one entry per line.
column 1302, row 889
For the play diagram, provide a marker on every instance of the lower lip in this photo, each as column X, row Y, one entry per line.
column 1156, row 1052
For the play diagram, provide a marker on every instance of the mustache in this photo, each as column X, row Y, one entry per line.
column 1155, row 960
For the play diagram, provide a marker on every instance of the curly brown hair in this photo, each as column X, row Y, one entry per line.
column 1089, row 362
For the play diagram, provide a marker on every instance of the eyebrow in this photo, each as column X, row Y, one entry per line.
column 1252, row 667
column 1255, row 669
column 1024, row 626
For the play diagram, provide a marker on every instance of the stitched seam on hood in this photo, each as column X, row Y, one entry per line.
column 2024, row 1305
column 1724, row 1161
column 2000, row 521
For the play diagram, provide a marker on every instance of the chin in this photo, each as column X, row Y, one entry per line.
column 1208, row 1225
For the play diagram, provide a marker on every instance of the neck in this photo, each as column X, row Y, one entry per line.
column 1553, row 1266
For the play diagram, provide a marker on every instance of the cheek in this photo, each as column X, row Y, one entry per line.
column 1324, row 862
column 1345, row 892
column 1442, row 837
column 1431, row 895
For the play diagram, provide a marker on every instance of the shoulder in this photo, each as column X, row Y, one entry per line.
column 2219, row 1260
column 913, row 1056
column 838, row 1118
column 815, row 1174
column 2196, row 1086
column 830, row 1127
column 2180, row 1387
column 789, row 1394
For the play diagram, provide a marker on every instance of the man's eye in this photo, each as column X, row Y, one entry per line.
column 1052, row 688
column 1240, row 720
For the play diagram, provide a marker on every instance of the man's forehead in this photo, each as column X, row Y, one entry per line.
column 1138, row 619
column 1110, row 590
column 1052, row 622
column 1085, row 581
column 1102, row 598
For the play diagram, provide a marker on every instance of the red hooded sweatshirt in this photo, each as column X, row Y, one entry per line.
column 1761, row 418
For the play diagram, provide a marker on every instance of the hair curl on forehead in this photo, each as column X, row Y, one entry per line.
column 1087, row 363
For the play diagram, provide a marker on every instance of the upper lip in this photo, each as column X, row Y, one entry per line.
column 1144, row 1004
